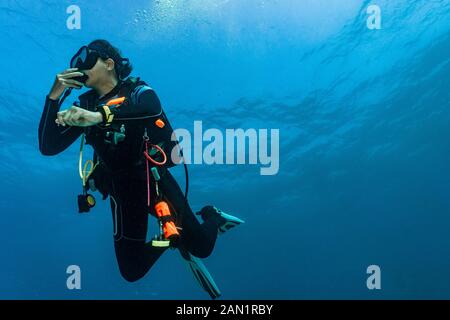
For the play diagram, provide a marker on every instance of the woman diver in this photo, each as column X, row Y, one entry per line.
column 131, row 137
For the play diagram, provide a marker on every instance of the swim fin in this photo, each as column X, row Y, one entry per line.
column 231, row 221
column 202, row 274
column 226, row 221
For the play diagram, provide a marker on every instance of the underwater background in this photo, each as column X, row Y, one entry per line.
column 364, row 120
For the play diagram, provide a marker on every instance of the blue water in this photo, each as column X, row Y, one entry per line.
column 364, row 120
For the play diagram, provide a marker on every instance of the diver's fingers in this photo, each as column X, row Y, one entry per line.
column 67, row 116
column 73, row 116
column 60, row 118
column 70, row 75
column 68, row 120
column 72, row 81
column 68, row 83
column 69, row 70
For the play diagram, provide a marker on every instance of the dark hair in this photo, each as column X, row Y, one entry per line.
column 122, row 66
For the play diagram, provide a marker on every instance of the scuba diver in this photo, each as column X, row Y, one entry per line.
column 122, row 119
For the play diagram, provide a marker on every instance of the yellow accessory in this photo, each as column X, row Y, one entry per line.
column 109, row 116
column 90, row 200
column 85, row 173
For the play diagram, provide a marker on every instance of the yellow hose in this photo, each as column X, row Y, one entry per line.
column 84, row 173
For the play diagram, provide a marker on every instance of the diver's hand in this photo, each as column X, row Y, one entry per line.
column 79, row 117
column 63, row 80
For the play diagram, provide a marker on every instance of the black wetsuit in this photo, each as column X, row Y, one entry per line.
column 121, row 174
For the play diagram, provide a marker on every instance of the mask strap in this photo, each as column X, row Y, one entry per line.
column 122, row 65
column 122, row 60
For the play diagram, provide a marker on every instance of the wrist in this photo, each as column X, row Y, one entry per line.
column 55, row 93
column 106, row 115
column 53, row 97
column 97, row 117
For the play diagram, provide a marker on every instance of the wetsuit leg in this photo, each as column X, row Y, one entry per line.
column 130, row 218
column 198, row 239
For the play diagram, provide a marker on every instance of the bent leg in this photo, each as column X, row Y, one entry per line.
column 198, row 239
column 135, row 257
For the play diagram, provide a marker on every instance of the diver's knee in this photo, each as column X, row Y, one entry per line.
column 130, row 274
column 130, row 269
column 202, row 253
column 130, row 278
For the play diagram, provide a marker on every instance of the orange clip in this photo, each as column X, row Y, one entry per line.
column 115, row 101
column 159, row 123
column 163, row 212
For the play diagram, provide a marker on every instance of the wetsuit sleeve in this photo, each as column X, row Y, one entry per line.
column 143, row 103
column 54, row 139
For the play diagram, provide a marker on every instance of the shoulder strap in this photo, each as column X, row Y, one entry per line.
column 129, row 84
column 133, row 88
column 133, row 81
